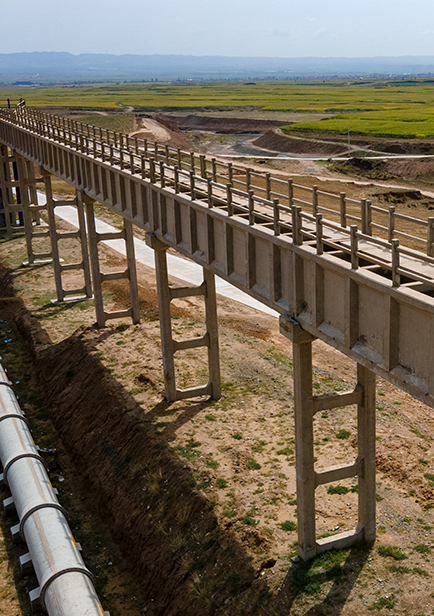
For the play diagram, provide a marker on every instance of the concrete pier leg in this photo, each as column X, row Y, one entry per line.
column 5, row 183
column 165, row 323
column 212, row 329
column 94, row 263
column 4, row 193
column 366, row 440
column 53, row 237
column 132, row 271
column 171, row 346
column 83, row 243
column 24, row 202
column 303, row 409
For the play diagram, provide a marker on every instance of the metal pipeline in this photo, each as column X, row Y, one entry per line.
column 65, row 584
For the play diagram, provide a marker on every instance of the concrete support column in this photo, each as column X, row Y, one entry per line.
column 305, row 472
column 94, row 263
column 132, row 271
column 212, row 329
column 366, row 440
column 24, row 203
column 53, row 236
column 80, row 203
column 164, row 298
column 4, row 188
column 171, row 346
column 98, row 277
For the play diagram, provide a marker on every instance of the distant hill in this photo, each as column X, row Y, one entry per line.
column 43, row 67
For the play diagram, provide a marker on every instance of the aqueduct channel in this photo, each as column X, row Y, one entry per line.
column 334, row 268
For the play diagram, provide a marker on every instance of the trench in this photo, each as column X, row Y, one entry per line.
column 181, row 559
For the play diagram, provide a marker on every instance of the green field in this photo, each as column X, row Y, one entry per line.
column 395, row 108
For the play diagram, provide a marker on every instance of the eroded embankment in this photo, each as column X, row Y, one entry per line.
column 276, row 141
column 182, row 560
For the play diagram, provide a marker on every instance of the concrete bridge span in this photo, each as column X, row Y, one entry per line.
column 331, row 266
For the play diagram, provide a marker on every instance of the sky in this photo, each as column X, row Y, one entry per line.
column 271, row 28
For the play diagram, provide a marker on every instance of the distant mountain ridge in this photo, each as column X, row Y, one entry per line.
column 63, row 66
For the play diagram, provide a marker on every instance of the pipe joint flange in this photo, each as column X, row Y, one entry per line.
column 15, row 416
column 36, row 508
column 7, row 384
column 19, row 457
column 53, row 577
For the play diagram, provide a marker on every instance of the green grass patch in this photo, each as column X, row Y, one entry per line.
column 391, row 551
column 249, row 521
column 285, row 452
column 253, row 465
column 343, row 434
column 337, row 490
column 288, row 525
column 387, row 603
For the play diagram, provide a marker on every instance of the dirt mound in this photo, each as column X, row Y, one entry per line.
column 147, row 128
column 273, row 140
column 411, row 169
column 409, row 197
column 225, row 126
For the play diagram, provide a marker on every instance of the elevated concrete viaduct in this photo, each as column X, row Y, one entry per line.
column 334, row 268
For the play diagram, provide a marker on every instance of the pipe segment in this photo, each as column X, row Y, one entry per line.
column 65, row 584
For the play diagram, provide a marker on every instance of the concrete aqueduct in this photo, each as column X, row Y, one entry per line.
column 334, row 268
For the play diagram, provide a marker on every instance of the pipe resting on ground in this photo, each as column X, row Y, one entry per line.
column 65, row 584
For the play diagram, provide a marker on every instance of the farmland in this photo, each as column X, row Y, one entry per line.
column 392, row 108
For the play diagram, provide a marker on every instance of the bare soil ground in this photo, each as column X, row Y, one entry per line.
column 148, row 128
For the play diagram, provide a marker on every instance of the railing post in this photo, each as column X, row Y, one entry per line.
column 276, row 213
column 268, row 186
column 368, row 217
column 192, row 187
column 192, row 166
column 202, row 166
column 297, row 234
column 248, row 179
column 167, row 155
column 354, row 247
column 209, row 191
column 290, row 193
column 363, row 217
column 214, row 169
column 319, row 233
column 396, row 276
column 314, row 200
column 176, row 179
column 179, row 158
column 230, row 173
column 152, row 170
column 229, row 199
column 430, row 238
column 162, row 178
column 391, row 231
column 251, row 208
column 343, row 209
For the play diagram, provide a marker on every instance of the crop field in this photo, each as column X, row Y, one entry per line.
column 396, row 108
